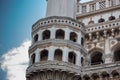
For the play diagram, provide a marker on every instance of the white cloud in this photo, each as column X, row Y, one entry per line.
column 15, row 61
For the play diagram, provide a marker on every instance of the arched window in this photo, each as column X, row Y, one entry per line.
column 44, row 55
column 112, row 18
column 36, row 38
column 33, row 59
column 73, row 36
column 82, row 61
column 72, row 57
column 46, row 34
column 58, row 55
column 117, row 55
column 91, row 22
column 60, row 34
column 101, row 20
column 82, row 41
column 96, row 58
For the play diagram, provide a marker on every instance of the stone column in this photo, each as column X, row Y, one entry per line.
column 40, row 35
column 52, row 35
column 107, row 3
column 79, row 38
column 97, row 5
column 37, row 55
column 67, row 34
column 51, row 53
column 105, row 33
column 78, row 58
column 65, row 54
column 88, row 8
column 90, row 36
column 97, row 33
column 112, row 32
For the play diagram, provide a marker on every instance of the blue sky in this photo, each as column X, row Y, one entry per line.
column 16, row 20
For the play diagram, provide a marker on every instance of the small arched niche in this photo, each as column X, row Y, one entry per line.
column 44, row 55
column 46, row 34
column 111, row 18
column 101, row 20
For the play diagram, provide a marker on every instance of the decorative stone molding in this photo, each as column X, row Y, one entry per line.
column 57, row 42
column 57, row 21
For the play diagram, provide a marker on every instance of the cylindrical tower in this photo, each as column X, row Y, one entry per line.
column 56, row 50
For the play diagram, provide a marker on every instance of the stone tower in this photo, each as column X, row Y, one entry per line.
column 57, row 48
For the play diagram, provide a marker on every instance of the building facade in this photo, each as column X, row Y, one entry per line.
column 76, row 41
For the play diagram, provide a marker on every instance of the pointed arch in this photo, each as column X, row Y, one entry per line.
column 60, row 34
column 58, row 55
column 44, row 55
column 46, row 34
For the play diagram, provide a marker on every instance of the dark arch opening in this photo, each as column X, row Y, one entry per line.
column 36, row 38
column 72, row 57
column 82, row 41
column 73, row 36
column 60, row 34
column 58, row 55
column 96, row 58
column 112, row 18
column 117, row 55
column 46, row 34
column 101, row 20
column 86, row 77
column 33, row 58
column 44, row 55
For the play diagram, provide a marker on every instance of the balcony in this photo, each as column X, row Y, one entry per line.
column 103, row 26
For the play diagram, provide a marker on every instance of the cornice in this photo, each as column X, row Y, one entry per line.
column 57, row 42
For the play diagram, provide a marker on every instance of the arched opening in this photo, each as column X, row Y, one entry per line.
column 86, row 77
column 44, row 55
column 73, row 36
column 33, row 59
column 36, row 38
column 111, row 18
column 105, row 76
column 101, row 20
column 91, row 22
column 58, row 55
column 82, row 61
column 117, row 55
column 115, row 74
column 96, row 58
column 72, row 57
column 60, row 34
column 82, row 41
column 95, row 76
column 46, row 34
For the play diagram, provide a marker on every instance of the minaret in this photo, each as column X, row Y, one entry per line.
column 66, row 8
column 56, row 50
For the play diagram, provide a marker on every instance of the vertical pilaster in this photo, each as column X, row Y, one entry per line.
column 78, row 58
column 65, row 54
column 52, row 35
column 40, row 35
column 51, row 53
column 67, row 34
column 79, row 38
column 37, row 55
